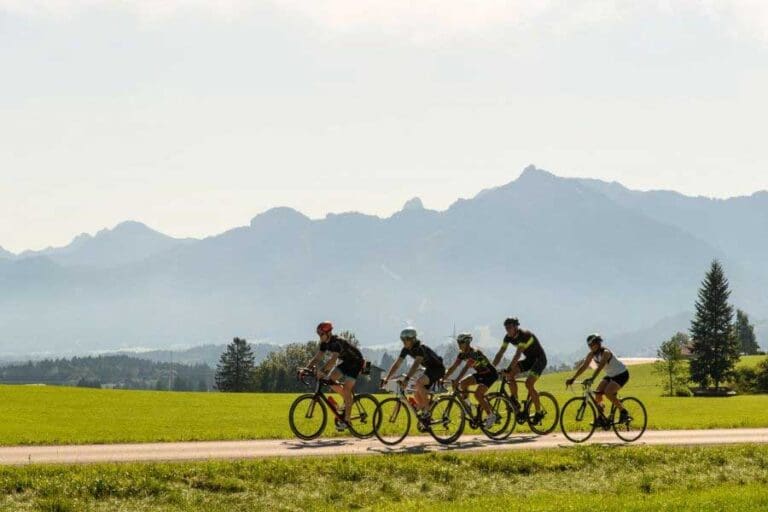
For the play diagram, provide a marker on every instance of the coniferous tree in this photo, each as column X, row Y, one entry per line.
column 715, row 347
column 745, row 333
column 234, row 373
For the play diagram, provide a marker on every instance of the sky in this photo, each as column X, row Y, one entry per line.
column 194, row 116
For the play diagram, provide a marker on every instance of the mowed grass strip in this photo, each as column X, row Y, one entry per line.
column 64, row 415
column 579, row 478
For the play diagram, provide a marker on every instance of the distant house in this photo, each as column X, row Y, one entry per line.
column 686, row 350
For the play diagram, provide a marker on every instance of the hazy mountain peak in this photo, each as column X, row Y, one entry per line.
column 531, row 173
column 6, row 254
column 281, row 214
column 413, row 204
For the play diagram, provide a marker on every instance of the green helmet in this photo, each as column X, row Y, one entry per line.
column 463, row 338
column 409, row 333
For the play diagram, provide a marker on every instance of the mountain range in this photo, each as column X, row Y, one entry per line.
column 568, row 256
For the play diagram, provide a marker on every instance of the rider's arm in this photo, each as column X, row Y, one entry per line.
column 394, row 367
column 414, row 367
column 583, row 367
column 453, row 367
column 463, row 371
column 330, row 363
column 314, row 360
column 500, row 354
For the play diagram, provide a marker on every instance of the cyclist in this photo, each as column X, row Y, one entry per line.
column 535, row 362
column 485, row 375
column 422, row 355
column 616, row 374
column 351, row 364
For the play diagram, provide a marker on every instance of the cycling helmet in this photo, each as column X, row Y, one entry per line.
column 463, row 338
column 512, row 321
column 409, row 333
column 594, row 338
column 324, row 327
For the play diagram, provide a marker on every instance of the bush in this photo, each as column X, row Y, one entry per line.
column 761, row 376
column 745, row 380
column 683, row 392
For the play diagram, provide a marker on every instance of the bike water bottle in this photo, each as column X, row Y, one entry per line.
column 333, row 402
column 412, row 401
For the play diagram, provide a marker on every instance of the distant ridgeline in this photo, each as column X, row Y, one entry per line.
column 114, row 371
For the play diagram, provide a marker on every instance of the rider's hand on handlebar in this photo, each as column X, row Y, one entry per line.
column 569, row 382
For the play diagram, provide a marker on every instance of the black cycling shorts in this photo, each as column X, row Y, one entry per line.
column 434, row 374
column 487, row 378
column 619, row 379
column 351, row 368
column 533, row 366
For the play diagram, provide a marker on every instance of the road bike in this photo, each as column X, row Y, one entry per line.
column 550, row 410
column 308, row 414
column 581, row 416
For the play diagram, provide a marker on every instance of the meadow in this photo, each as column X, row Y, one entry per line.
column 577, row 478
column 62, row 415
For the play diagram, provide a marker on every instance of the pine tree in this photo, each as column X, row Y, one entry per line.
column 745, row 333
column 715, row 347
column 234, row 372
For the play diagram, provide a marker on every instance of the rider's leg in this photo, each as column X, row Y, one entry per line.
column 512, row 373
column 611, row 391
column 599, row 392
column 346, row 390
column 464, row 386
column 530, row 383
column 421, row 394
column 480, row 396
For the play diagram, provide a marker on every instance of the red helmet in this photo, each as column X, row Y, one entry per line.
column 324, row 327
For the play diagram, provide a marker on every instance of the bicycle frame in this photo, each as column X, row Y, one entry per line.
column 321, row 395
column 589, row 394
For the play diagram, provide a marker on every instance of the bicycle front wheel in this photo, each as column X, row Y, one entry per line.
column 504, row 411
column 551, row 413
column 307, row 417
column 446, row 420
column 392, row 421
column 633, row 427
column 578, row 420
column 361, row 423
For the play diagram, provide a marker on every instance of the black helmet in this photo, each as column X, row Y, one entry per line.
column 512, row 321
column 594, row 338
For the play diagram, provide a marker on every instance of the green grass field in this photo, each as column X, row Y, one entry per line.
column 52, row 415
column 579, row 478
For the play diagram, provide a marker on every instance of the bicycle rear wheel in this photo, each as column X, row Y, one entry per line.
column 361, row 423
column 631, row 429
column 551, row 411
column 504, row 410
column 446, row 420
column 578, row 420
column 307, row 417
column 392, row 421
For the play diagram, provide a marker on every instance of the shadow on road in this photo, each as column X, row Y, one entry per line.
column 323, row 443
column 460, row 445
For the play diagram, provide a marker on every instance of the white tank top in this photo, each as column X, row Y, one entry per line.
column 614, row 367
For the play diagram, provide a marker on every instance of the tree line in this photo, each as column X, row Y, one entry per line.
column 110, row 371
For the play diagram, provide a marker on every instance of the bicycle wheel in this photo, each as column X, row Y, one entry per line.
column 446, row 420
column 578, row 420
column 551, row 411
column 492, row 398
column 392, row 421
column 504, row 410
column 307, row 417
column 361, row 417
column 633, row 428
